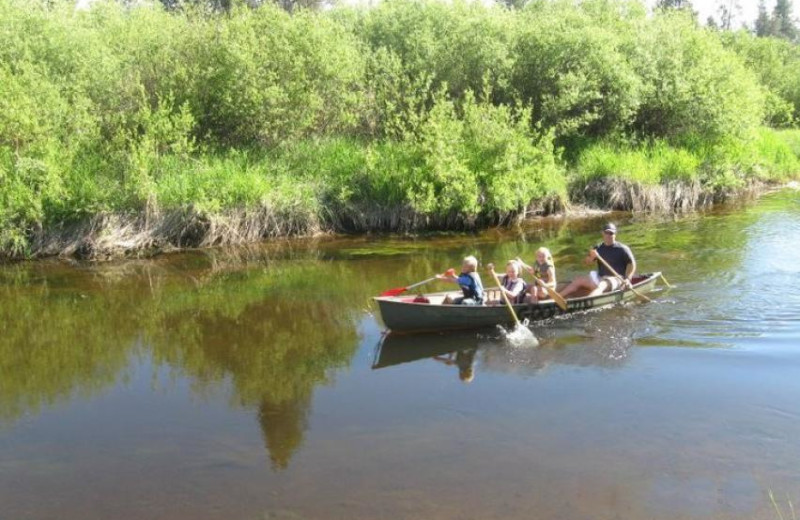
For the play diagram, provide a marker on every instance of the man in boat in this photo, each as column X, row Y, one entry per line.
column 617, row 255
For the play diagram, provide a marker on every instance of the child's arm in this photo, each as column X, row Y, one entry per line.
column 517, row 289
column 524, row 265
column 551, row 275
column 447, row 278
column 528, row 268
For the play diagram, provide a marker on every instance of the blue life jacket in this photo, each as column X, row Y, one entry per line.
column 471, row 286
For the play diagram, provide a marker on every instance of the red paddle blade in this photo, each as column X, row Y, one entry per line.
column 394, row 292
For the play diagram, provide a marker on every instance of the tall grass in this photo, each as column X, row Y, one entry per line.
column 668, row 177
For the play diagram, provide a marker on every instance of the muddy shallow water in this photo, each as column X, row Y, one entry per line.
column 256, row 383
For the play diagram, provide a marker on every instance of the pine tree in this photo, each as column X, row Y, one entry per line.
column 763, row 26
column 784, row 26
column 673, row 4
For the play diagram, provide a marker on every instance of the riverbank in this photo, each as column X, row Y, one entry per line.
column 110, row 236
column 346, row 186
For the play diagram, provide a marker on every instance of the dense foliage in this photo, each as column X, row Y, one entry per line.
column 406, row 115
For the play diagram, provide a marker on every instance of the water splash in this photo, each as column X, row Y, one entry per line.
column 520, row 336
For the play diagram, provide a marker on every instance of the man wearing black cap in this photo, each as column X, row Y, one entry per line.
column 616, row 254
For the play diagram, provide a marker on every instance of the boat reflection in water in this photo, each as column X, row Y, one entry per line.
column 599, row 340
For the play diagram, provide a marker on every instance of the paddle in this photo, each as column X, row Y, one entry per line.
column 400, row 290
column 505, row 298
column 521, row 332
column 560, row 301
column 621, row 279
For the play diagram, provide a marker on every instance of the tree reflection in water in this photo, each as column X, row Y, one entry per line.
column 267, row 325
column 248, row 328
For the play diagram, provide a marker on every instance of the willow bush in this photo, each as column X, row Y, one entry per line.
column 572, row 65
column 776, row 62
column 461, row 45
column 406, row 115
column 693, row 86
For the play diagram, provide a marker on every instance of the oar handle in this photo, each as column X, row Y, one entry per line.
column 423, row 282
column 621, row 279
column 400, row 290
column 505, row 298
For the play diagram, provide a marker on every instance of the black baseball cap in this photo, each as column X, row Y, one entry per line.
column 610, row 227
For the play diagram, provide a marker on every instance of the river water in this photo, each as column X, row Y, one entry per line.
column 257, row 384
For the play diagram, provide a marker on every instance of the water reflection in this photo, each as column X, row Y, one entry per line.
column 218, row 322
column 664, row 397
column 464, row 360
column 603, row 338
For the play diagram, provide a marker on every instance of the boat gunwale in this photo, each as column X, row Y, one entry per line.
column 647, row 278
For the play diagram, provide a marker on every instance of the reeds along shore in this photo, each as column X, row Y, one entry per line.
column 110, row 236
column 129, row 129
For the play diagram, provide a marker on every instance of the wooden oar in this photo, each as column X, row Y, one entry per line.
column 560, row 301
column 400, row 290
column 521, row 335
column 621, row 279
column 505, row 298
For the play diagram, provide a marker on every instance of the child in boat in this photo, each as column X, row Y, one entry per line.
column 511, row 283
column 470, row 282
column 543, row 268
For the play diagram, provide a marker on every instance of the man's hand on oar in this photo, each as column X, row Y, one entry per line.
column 626, row 284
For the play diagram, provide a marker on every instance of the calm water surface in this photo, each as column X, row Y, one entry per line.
column 257, row 384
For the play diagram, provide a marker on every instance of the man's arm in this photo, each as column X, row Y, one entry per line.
column 630, row 269
column 591, row 257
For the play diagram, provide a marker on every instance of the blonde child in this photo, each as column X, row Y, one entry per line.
column 470, row 282
column 511, row 283
column 543, row 268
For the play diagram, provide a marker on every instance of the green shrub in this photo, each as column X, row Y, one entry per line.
column 776, row 62
column 572, row 65
column 351, row 112
column 460, row 45
column 693, row 86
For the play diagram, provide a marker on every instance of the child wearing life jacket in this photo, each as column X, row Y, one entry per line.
column 543, row 268
column 470, row 282
column 512, row 284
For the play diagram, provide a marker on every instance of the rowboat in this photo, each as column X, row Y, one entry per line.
column 408, row 314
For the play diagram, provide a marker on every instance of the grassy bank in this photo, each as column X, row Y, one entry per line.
column 346, row 186
column 656, row 176
column 315, row 186
column 132, row 128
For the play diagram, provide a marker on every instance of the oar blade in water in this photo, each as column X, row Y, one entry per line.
column 520, row 336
